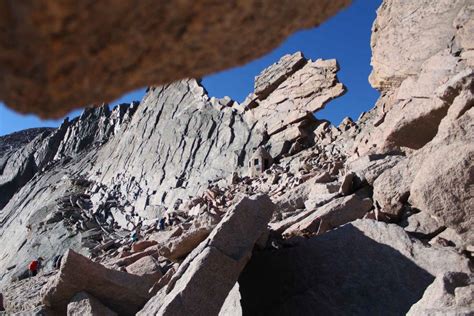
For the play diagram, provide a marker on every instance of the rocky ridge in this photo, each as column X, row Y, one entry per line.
column 373, row 216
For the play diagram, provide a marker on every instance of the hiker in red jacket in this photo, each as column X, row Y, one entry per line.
column 34, row 266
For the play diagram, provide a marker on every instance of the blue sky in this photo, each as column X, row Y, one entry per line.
column 345, row 37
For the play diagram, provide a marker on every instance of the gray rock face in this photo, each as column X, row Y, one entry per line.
column 170, row 172
column 93, row 128
column 16, row 140
column 20, row 163
column 179, row 142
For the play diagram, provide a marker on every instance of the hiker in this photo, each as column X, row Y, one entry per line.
column 34, row 266
column 162, row 223
column 2, row 308
column 57, row 262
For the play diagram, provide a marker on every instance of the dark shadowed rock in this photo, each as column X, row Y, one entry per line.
column 365, row 267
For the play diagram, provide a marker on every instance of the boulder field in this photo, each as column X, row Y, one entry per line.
column 186, row 204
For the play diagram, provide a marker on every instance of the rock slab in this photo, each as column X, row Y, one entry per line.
column 208, row 274
column 123, row 292
column 84, row 304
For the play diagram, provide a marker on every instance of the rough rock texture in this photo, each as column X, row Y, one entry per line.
column 417, row 47
column 406, row 34
column 422, row 63
column 24, row 295
column 138, row 188
column 296, row 88
column 231, row 304
column 184, row 140
column 451, row 293
column 56, row 57
column 209, row 273
column 452, row 167
column 123, row 292
column 184, row 244
column 112, row 170
column 85, row 304
column 369, row 168
column 330, row 274
column 424, row 225
column 333, row 214
column 147, row 266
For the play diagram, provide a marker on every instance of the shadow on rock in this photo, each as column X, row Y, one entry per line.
column 343, row 272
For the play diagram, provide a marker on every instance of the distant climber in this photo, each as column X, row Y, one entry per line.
column 2, row 308
column 162, row 223
column 34, row 266
column 57, row 262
